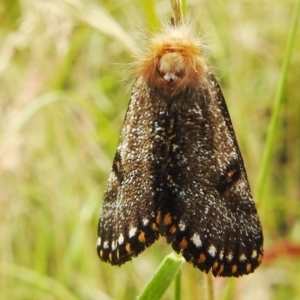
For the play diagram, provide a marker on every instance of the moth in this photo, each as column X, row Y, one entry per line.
column 178, row 171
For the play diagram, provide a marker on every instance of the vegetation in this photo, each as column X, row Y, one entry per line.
column 62, row 102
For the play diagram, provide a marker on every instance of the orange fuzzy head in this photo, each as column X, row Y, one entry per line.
column 174, row 63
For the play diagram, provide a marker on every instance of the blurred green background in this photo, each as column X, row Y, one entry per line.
column 63, row 97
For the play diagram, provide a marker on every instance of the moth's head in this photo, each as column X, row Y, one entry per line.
column 174, row 62
column 171, row 66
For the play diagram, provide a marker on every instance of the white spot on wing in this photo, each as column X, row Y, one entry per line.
column 254, row 254
column 145, row 221
column 196, row 240
column 132, row 231
column 99, row 241
column 221, row 255
column 229, row 256
column 243, row 257
column 114, row 245
column 181, row 226
column 212, row 250
column 105, row 245
column 121, row 239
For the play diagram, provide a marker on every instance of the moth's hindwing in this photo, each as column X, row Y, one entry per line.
column 127, row 224
column 208, row 212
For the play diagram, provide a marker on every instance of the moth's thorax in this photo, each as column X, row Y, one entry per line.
column 174, row 62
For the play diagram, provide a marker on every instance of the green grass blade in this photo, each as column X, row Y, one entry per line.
column 183, row 7
column 36, row 281
column 210, row 287
column 166, row 272
column 150, row 15
column 228, row 293
column 277, row 103
column 177, row 293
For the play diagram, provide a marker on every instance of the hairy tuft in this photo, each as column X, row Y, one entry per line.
column 174, row 61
